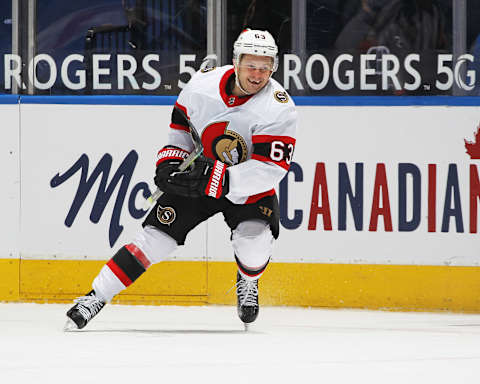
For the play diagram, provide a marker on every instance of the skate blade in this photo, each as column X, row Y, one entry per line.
column 70, row 326
column 246, row 326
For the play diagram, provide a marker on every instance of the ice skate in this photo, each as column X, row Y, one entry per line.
column 83, row 311
column 247, row 300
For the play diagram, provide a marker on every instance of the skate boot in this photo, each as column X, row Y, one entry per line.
column 247, row 299
column 83, row 311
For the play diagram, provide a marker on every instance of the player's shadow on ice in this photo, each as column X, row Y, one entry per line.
column 172, row 331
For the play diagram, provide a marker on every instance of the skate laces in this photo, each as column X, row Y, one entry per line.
column 247, row 292
column 88, row 306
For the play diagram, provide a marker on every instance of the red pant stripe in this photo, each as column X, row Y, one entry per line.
column 251, row 272
column 139, row 255
column 119, row 273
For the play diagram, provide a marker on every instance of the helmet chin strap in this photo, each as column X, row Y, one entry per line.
column 237, row 82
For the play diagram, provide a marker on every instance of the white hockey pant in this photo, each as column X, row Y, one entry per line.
column 252, row 242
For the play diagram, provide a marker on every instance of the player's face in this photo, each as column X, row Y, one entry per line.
column 253, row 72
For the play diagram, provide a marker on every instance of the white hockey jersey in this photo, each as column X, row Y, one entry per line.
column 254, row 135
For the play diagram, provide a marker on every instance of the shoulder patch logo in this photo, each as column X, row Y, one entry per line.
column 281, row 96
column 208, row 69
column 166, row 215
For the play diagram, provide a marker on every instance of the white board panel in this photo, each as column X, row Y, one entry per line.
column 54, row 139
column 10, row 191
column 397, row 137
column 392, row 152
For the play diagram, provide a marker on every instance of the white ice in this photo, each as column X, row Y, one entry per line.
column 148, row 344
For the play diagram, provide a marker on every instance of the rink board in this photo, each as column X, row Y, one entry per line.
column 398, row 178
column 380, row 209
column 387, row 287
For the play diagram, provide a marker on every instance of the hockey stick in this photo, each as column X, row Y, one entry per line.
column 197, row 151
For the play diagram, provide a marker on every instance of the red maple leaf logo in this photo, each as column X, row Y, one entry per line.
column 473, row 147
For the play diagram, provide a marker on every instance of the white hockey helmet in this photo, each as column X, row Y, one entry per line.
column 255, row 42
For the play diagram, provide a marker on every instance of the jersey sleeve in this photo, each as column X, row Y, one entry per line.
column 179, row 133
column 273, row 145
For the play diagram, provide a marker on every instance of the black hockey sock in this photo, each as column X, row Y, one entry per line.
column 128, row 264
column 251, row 272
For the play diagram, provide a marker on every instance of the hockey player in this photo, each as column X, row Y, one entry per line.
column 247, row 123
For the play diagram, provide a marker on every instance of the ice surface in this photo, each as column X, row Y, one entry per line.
column 148, row 344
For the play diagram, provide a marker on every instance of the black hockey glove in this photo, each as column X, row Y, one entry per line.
column 207, row 177
column 168, row 160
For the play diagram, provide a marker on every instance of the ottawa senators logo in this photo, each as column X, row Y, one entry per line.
column 223, row 144
column 281, row 96
column 230, row 148
column 166, row 215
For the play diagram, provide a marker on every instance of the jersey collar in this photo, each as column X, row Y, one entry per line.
column 231, row 100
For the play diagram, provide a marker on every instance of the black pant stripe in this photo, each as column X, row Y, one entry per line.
column 248, row 271
column 128, row 264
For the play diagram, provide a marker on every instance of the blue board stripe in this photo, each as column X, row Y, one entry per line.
column 469, row 101
column 387, row 100
column 9, row 99
column 101, row 100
